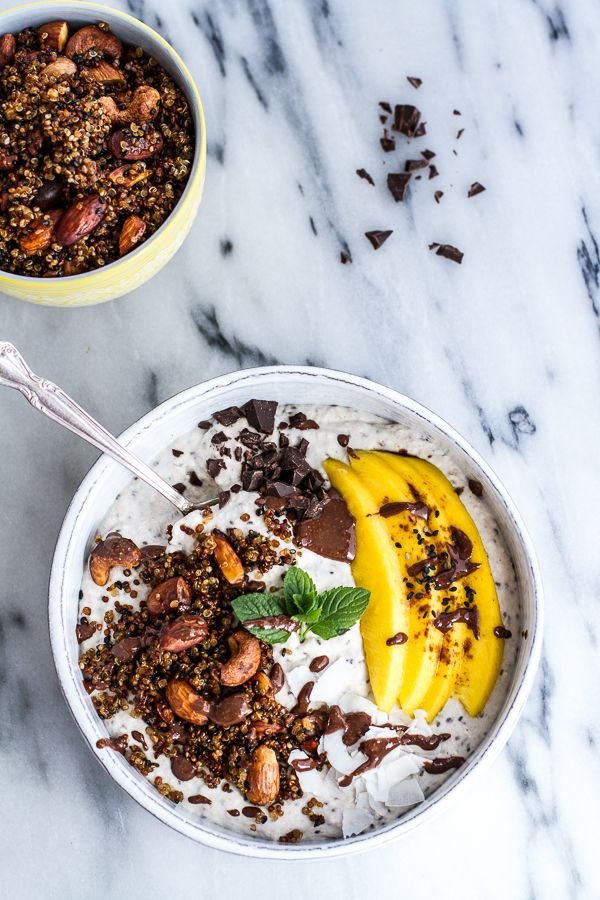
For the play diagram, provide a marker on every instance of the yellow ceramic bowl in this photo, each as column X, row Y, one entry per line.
column 137, row 267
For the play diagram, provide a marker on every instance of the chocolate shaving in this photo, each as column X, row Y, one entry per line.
column 433, row 172
column 476, row 188
column 411, row 165
column 415, row 82
column 385, row 106
column 427, row 154
column 377, row 238
column 362, row 173
column 438, row 196
column 177, row 453
column 448, row 251
column 407, row 120
column 345, row 257
column 397, row 183
column 459, row 133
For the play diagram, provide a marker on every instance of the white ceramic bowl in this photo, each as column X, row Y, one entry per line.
column 156, row 431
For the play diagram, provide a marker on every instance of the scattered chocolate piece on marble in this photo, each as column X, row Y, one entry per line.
column 377, row 238
column 412, row 164
column 177, row 453
column 362, row 173
column 476, row 188
column 456, row 112
column 407, row 120
column 385, row 106
column 447, row 251
column 387, row 143
column 345, row 257
column 438, row 196
column 397, row 183
column 433, row 172
column 416, row 82
column 460, row 133
column 427, row 154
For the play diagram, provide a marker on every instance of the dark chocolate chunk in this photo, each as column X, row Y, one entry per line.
column 387, row 143
column 362, row 173
column 224, row 498
column 332, row 532
column 343, row 440
column 385, row 106
column 377, row 238
column 219, row 438
column 261, row 414
column 476, row 487
column 438, row 196
column 205, row 425
column 427, row 154
column 345, row 257
column 416, row 82
column 448, row 251
column 412, row 164
column 214, row 466
column 406, row 119
column 179, row 487
column 84, row 631
column 433, row 172
column 299, row 420
column 228, row 416
column 177, row 453
column 476, row 188
column 397, row 183
column 501, row 632
column 194, row 480
column 456, row 112
column 459, row 133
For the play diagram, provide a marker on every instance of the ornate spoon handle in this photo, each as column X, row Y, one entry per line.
column 51, row 400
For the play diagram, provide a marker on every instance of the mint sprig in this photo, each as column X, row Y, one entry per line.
column 300, row 607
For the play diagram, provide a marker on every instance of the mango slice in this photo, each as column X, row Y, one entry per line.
column 377, row 569
column 432, row 665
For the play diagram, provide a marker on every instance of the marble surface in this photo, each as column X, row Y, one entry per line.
column 506, row 347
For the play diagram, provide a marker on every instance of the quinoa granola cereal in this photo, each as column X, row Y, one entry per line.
column 96, row 147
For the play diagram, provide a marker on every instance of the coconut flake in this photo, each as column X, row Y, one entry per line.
column 357, row 703
column 338, row 755
column 297, row 678
column 405, row 793
column 327, row 688
column 320, row 783
column 355, row 821
column 419, row 724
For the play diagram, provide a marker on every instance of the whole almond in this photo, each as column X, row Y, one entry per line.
column 124, row 144
column 132, row 234
column 104, row 73
column 53, row 36
column 229, row 562
column 80, row 220
column 90, row 37
column 186, row 703
column 113, row 551
column 182, row 633
column 174, row 593
column 8, row 47
column 61, row 67
column 39, row 234
column 263, row 776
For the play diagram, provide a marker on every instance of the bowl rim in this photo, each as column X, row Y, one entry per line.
column 184, row 81
column 233, row 842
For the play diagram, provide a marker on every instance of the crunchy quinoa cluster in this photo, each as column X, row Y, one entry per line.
column 96, row 146
column 144, row 654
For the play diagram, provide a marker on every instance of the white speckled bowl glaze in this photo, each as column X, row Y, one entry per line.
column 157, row 430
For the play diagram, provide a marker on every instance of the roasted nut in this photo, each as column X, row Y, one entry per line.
column 263, row 684
column 110, row 107
column 129, row 174
column 113, row 551
column 263, row 776
column 7, row 160
column 53, row 36
column 80, row 220
column 61, row 67
column 39, row 234
column 266, row 728
column 229, row 562
column 182, row 633
column 245, row 659
column 104, row 73
column 173, row 593
column 73, row 268
column 230, row 711
column 132, row 234
column 49, row 195
column 90, row 37
column 143, row 107
column 125, row 649
column 8, row 46
column 124, row 144
column 186, row 703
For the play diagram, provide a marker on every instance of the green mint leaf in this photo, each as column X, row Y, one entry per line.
column 299, row 592
column 341, row 608
column 258, row 606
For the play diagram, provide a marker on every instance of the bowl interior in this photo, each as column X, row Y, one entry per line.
column 131, row 31
column 156, row 431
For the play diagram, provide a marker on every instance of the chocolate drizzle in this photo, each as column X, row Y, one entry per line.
column 319, row 663
column 399, row 638
column 449, row 565
column 443, row 764
column 282, row 622
column 469, row 615
column 352, row 725
column 501, row 632
column 418, row 509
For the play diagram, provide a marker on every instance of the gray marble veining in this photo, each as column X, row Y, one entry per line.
column 506, row 347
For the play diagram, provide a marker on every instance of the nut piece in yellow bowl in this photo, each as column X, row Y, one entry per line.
column 445, row 596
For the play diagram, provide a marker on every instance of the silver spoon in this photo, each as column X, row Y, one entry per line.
column 51, row 400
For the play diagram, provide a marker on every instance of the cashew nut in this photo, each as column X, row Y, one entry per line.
column 113, row 551
column 245, row 659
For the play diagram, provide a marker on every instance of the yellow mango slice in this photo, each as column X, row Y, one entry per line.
column 432, row 658
column 481, row 659
column 375, row 568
